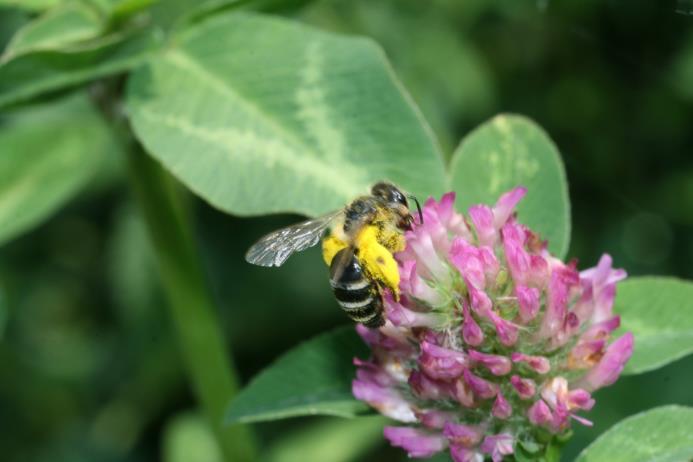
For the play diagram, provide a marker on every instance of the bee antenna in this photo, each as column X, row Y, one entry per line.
column 418, row 207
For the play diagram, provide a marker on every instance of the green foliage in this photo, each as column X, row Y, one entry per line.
column 3, row 312
column 62, row 26
column 313, row 378
column 191, row 304
column 260, row 115
column 663, row 434
column 131, row 270
column 659, row 312
column 30, row 5
column 36, row 177
column 70, row 44
column 119, row 10
column 409, row 31
column 189, row 437
column 683, row 70
column 443, row 456
column 509, row 151
column 175, row 14
column 39, row 72
column 336, row 440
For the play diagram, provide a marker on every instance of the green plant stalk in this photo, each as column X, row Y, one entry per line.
column 196, row 324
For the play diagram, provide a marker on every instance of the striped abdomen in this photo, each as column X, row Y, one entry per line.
column 357, row 296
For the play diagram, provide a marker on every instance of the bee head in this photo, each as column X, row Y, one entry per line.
column 389, row 193
column 397, row 201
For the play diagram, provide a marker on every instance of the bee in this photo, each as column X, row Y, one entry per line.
column 358, row 246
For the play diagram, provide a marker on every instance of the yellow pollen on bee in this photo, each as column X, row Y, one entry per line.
column 387, row 232
column 376, row 259
column 330, row 246
column 375, row 246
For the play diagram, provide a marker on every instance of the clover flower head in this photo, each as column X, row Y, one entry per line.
column 494, row 342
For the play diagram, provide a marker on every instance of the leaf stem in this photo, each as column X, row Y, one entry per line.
column 193, row 312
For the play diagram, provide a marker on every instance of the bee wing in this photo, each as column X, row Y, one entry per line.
column 340, row 262
column 275, row 248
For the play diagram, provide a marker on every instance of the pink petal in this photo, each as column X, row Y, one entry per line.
column 507, row 331
column 562, row 280
column 539, row 413
column 411, row 283
column 600, row 283
column 441, row 363
column 463, row 435
column 453, row 221
column 520, row 263
column 401, row 316
column 501, row 408
column 462, row 454
column 467, row 260
column 479, row 300
column 610, row 366
column 368, row 371
column 603, row 303
column 528, row 301
column 498, row 446
column 540, row 364
column 426, row 388
column 417, row 443
column 463, row 393
column 601, row 330
column 498, row 365
column 429, row 263
column 583, row 354
column 481, row 388
column 385, row 399
column 384, row 339
column 570, row 328
column 506, row 205
column 482, row 218
column 434, row 419
column 525, row 388
column 582, row 420
column 490, row 263
column 580, row 399
column 471, row 332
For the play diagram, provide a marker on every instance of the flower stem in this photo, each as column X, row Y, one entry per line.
column 193, row 313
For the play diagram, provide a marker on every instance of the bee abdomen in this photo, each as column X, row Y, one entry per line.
column 357, row 296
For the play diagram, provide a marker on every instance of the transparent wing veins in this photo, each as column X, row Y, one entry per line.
column 276, row 247
column 340, row 262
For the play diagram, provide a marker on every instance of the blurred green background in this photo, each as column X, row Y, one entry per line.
column 89, row 370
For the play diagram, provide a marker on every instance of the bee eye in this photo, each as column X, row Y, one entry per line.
column 399, row 198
